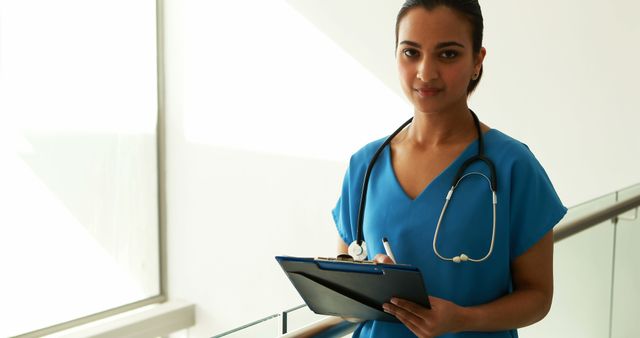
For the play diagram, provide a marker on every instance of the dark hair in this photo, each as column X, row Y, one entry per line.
column 469, row 8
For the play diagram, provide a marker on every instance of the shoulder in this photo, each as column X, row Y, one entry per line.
column 359, row 162
column 518, row 168
column 363, row 156
column 508, row 150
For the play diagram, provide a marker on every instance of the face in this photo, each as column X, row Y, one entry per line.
column 435, row 59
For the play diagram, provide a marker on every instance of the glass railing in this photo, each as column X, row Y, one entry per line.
column 596, row 276
column 298, row 317
column 582, row 275
column 269, row 326
column 276, row 324
column 625, row 316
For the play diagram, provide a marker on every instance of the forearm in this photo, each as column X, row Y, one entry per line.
column 532, row 274
column 518, row 309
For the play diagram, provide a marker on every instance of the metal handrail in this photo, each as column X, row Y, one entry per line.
column 572, row 227
column 565, row 229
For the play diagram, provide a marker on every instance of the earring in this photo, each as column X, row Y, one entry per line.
column 475, row 76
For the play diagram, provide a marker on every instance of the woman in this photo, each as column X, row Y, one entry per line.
column 488, row 271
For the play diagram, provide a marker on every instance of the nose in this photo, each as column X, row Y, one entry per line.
column 427, row 69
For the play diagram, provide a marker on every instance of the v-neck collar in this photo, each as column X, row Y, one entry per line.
column 455, row 163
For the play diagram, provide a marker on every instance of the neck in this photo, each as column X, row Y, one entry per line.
column 439, row 129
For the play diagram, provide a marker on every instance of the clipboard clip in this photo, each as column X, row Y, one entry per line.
column 343, row 258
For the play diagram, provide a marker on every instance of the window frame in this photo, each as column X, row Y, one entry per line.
column 160, row 165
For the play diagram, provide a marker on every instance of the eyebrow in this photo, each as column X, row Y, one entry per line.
column 438, row 46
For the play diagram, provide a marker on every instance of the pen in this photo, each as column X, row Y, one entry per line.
column 387, row 249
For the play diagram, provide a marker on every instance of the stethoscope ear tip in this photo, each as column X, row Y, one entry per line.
column 461, row 258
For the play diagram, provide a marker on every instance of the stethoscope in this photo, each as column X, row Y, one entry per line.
column 358, row 248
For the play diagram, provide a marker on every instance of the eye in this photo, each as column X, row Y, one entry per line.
column 448, row 54
column 410, row 52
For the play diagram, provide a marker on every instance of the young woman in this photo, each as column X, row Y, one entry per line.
column 485, row 249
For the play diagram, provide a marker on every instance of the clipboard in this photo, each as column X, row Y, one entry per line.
column 353, row 289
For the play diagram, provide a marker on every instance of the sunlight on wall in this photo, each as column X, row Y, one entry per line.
column 272, row 82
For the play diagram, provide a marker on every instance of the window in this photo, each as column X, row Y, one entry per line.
column 78, row 184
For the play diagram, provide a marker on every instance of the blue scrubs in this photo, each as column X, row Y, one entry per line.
column 528, row 207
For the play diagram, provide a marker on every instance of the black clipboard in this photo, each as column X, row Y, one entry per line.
column 353, row 289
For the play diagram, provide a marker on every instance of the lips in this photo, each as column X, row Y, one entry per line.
column 427, row 91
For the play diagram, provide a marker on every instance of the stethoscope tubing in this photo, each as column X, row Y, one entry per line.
column 367, row 175
column 494, row 203
column 458, row 177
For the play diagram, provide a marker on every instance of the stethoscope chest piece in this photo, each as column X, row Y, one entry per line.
column 358, row 251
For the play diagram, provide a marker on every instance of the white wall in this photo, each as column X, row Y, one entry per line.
column 267, row 99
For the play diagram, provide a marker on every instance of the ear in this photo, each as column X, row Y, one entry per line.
column 477, row 63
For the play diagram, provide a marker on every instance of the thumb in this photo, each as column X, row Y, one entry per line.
column 434, row 301
column 384, row 259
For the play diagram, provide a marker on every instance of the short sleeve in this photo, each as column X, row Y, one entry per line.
column 345, row 213
column 535, row 207
column 342, row 211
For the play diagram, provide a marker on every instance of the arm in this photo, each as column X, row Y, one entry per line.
column 532, row 274
column 530, row 301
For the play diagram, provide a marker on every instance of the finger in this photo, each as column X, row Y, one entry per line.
column 382, row 258
column 435, row 300
column 353, row 319
column 413, row 323
column 405, row 314
column 412, row 307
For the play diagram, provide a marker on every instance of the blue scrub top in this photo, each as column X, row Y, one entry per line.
column 528, row 207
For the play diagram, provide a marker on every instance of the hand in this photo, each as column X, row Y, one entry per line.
column 353, row 319
column 443, row 317
column 384, row 259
